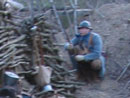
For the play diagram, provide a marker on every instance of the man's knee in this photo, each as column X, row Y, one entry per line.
column 96, row 64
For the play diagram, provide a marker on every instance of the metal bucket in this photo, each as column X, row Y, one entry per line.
column 47, row 88
column 26, row 96
column 10, row 79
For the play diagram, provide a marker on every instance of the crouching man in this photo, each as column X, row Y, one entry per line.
column 88, row 60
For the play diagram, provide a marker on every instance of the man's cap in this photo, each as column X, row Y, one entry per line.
column 85, row 24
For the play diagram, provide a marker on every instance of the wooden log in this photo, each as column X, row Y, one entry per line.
column 61, row 73
column 5, row 34
column 13, row 63
column 4, row 64
column 47, row 31
column 18, row 45
column 7, row 56
column 62, row 86
column 59, row 90
column 24, row 72
column 4, row 12
column 75, row 16
column 20, row 57
column 67, row 72
column 49, row 49
column 77, row 10
column 71, row 82
column 123, row 72
column 2, row 31
column 67, row 95
column 6, row 52
column 58, row 44
column 11, row 22
column 43, row 93
column 8, row 28
column 3, row 40
column 12, row 42
column 54, row 57
column 53, row 66
column 57, row 75
column 20, row 51
column 39, row 23
column 61, row 68
column 19, row 63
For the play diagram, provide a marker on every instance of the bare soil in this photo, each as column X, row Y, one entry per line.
column 112, row 22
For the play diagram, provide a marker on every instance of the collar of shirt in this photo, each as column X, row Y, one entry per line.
column 82, row 38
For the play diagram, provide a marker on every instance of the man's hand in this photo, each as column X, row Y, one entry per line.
column 79, row 57
column 68, row 46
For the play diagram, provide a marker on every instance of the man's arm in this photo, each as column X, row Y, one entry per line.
column 74, row 41
column 97, row 49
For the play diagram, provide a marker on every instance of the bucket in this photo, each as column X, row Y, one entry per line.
column 10, row 79
column 47, row 88
column 26, row 96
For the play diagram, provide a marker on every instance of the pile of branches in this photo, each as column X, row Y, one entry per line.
column 19, row 44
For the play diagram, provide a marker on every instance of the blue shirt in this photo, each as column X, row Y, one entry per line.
column 95, row 48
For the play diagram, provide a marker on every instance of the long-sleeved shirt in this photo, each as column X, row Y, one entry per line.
column 95, row 47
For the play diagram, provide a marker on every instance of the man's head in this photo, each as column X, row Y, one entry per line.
column 84, row 27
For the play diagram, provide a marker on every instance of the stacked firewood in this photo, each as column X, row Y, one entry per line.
column 18, row 49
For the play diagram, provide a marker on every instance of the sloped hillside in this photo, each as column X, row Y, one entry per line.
column 114, row 27
column 112, row 21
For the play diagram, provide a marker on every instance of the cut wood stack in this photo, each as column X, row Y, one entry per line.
column 18, row 53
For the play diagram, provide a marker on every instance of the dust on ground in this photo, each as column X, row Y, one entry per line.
column 112, row 22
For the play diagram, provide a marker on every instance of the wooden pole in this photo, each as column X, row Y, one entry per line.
column 123, row 72
column 68, row 17
column 75, row 16
column 58, row 20
column 67, row 14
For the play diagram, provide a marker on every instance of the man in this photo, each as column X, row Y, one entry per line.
column 90, row 57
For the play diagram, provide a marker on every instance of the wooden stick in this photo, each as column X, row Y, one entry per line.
column 3, row 40
column 44, row 93
column 67, row 95
column 8, row 28
column 53, row 57
column 4, row 12
column 19, row 63
column 123, row 72
column 11, row 22
column 58, row 20
column 62, row 86
column 77, row 10
column 12, row 42
column 68, row 72
column 3, row 34
column 71, row 82
column 75, row 16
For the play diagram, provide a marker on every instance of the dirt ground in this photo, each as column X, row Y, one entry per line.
column 112, row 22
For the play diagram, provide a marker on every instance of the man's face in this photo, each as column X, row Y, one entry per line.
column 84, row 31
